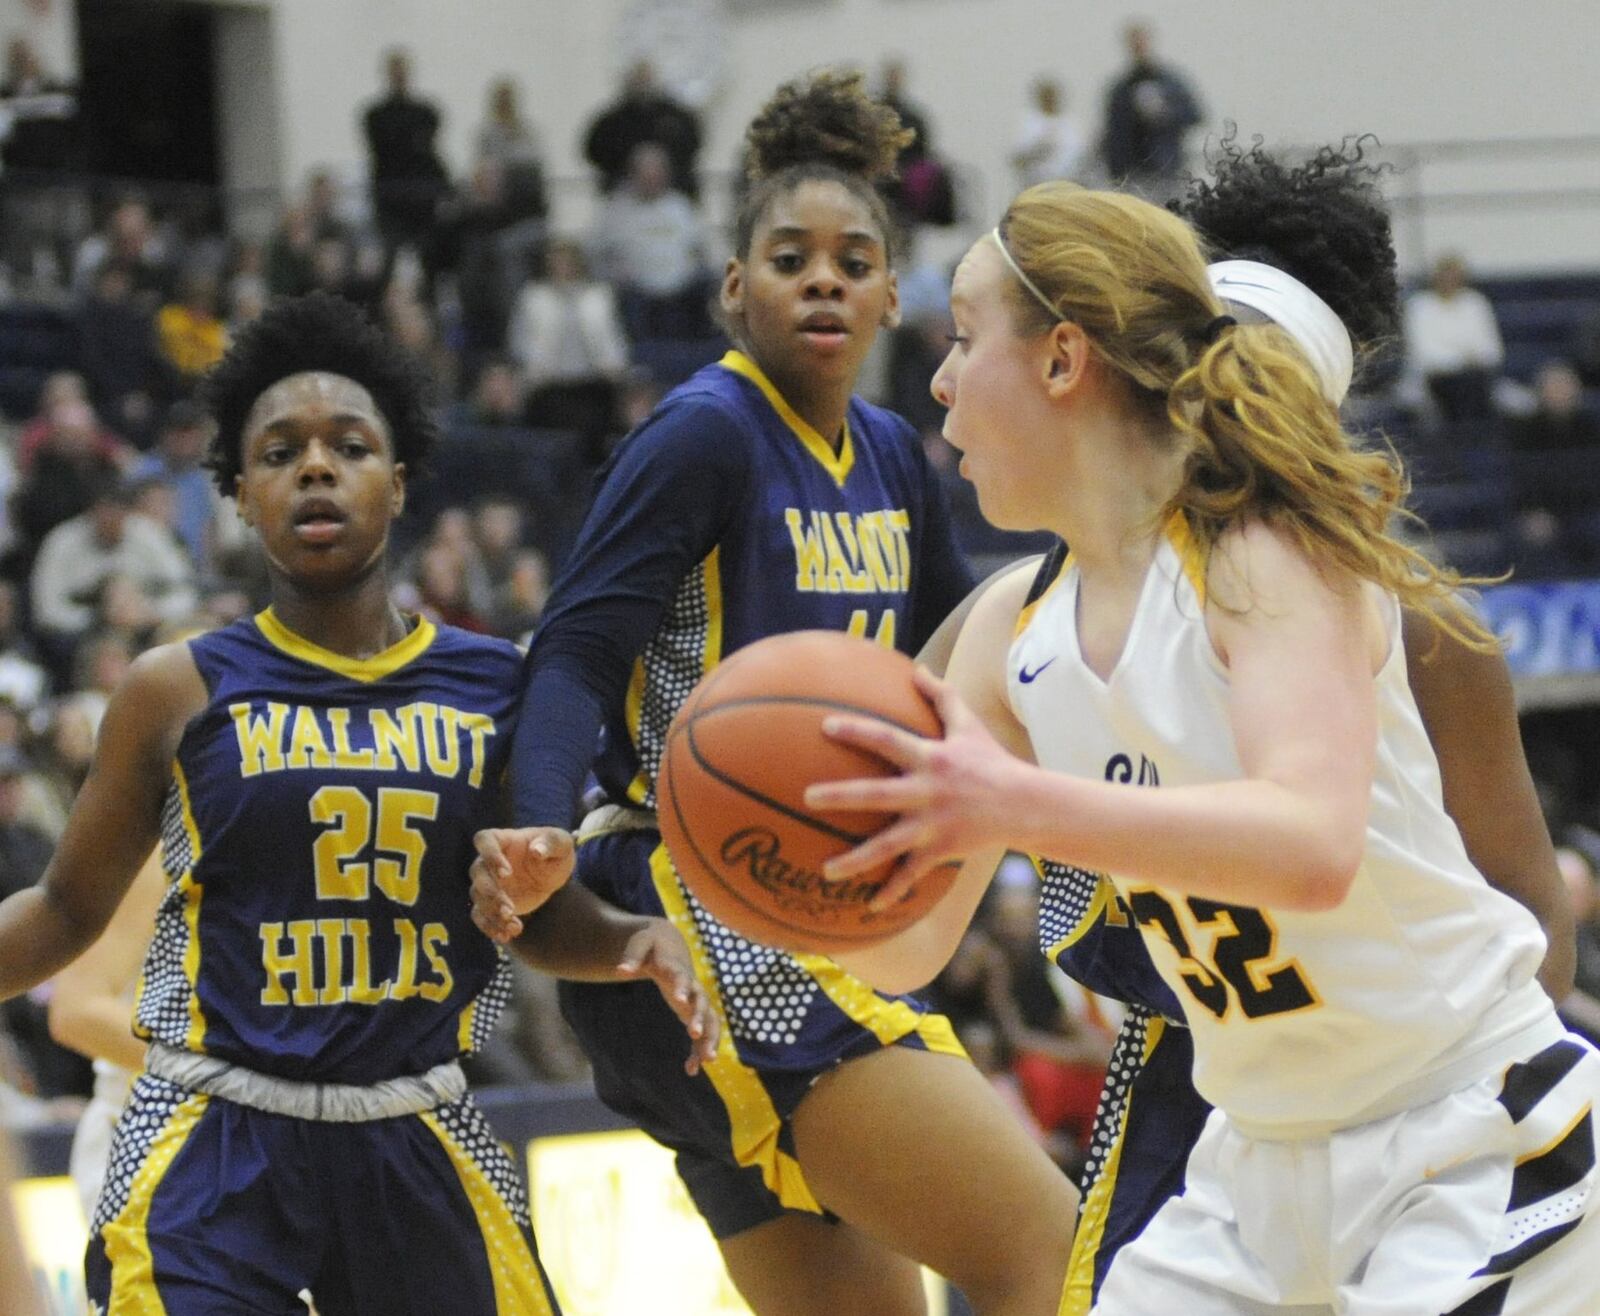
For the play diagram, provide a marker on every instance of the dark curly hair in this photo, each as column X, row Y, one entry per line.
column 1322, row 220
column 823, row 126
column 317, row 332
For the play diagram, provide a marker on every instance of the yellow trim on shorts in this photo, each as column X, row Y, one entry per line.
column 752, row 1117
column 127, row 1237
column 887, row 1020
column 192, row 893
column 518, row 1284
column 1077, row 1296
column 837, row 465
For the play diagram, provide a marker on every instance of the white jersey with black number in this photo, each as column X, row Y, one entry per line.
column 1419, row 983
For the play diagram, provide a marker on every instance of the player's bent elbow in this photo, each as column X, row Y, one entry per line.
column 1323, row 886
column 65, row 1020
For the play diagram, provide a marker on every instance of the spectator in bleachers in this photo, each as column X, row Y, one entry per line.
column 289, row 253
column 40, row 149
column 496, row 402
column 130, row 238
column 497, row 534
column 519, row 601
column 175, row 464
column 651, row 243
column 1577, row 861
column 1453, row 346
column 644, row 113
column 1149, row 111
column 79, row 557
column 65, row 420
column 119, row 354
column 1559, row 419
column 23, row 682
column 511, row 142
column 409, row 179
column 190, row 328
column 1051, row 143
column 411, row 324
column 24, row 848
column 923, row 190
column 566, row 337
column 481, row 241
column 60, row 479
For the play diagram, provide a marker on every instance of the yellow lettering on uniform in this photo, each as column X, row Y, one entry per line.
column 260, row 738
column 435, row 936
column 480, row 726
column 330, row 931
column 299, row 962
column 396, row 733
column 900, row 523
column 809, row 559
column 307, row 748
column 870, row 534
column 439, row 739
column 840, row 574
column 860, row 580
column 363, row 991
column 404, row 986
column 343, row 755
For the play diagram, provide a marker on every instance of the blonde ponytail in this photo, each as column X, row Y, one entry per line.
column 1265, row 442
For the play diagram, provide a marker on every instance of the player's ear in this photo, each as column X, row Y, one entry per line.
column 397, row 494
column 732, row 296
column 239, row 500
column 891, row 311
column 1066, row 358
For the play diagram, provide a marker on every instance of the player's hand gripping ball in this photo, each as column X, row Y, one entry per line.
column 731, row 790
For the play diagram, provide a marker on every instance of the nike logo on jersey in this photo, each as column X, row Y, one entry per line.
column 1027, row 677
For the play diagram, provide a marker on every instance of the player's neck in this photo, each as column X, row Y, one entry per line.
column 358, row 623
column 822, row 404
column 1112, row 495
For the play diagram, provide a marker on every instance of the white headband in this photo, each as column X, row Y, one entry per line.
column 1296, row 310
column 1022, row 278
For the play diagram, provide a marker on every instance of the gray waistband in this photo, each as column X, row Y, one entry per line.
column 338, row 1103
column 615, row 818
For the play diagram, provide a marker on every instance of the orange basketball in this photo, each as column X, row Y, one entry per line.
column 731, row 790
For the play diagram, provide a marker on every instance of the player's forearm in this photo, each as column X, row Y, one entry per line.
column 577, row 935
column 910, row 960
column 38, row 937
column 1240, row 842
column 101, row 1028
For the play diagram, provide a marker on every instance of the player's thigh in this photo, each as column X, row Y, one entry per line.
column 806, row 1265
column 918, row 1150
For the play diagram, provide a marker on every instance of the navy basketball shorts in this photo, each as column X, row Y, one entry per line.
column 212, row 1207
column 786, row 1021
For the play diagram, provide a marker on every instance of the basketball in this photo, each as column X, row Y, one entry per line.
column 731, row 790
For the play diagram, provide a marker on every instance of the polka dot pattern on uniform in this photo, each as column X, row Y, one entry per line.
column 765, row 993
column 674, row 662
column 1065, row 895
column 470, row 1130
column 163, row 1008
column 491, row 1003
column 152, row 1103
column 1127, row 1059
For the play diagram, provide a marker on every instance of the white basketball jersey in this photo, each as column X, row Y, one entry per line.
column 1420, row 982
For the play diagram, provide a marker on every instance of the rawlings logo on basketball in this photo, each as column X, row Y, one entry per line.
column 760, row 853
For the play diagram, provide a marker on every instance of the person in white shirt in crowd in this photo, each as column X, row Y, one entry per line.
column 1453, row 347
column 108, row 540
column 651, row 242
column 1051, row 143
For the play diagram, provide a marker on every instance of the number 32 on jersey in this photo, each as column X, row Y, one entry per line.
column 1242, row 966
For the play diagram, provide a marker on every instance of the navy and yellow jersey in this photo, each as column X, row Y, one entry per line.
column 317, row 837
column 722, row 520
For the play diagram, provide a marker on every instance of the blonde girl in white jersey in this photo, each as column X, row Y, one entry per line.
column 1402, row 1124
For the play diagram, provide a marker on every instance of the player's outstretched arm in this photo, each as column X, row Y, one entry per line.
column 90, row 1008
column 1470, row 712
column 113, row 826
column 576, row 935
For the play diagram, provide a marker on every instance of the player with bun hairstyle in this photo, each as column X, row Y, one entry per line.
column 840, row 1134
column 313, row 776
column 1402, row 1124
